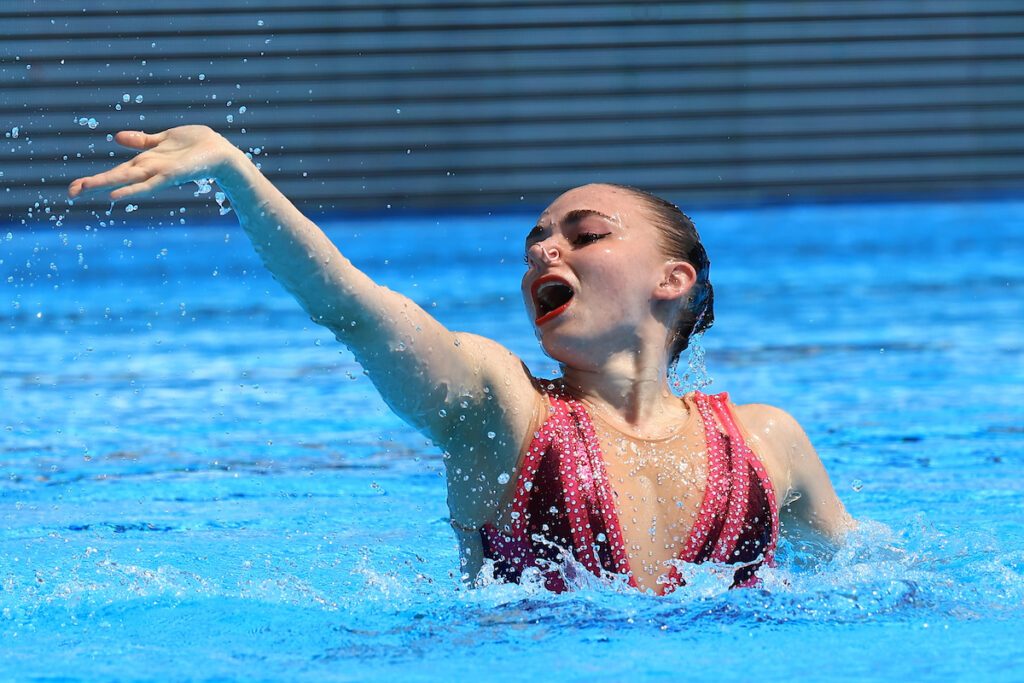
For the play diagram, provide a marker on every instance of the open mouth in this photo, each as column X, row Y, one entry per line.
column 551, row 296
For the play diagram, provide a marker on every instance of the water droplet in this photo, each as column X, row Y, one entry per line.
column 856, row 484
column 491, row 435
column 126, row 97
column 138, row 99
column 443, row 412
column 202, row 77
column 503, row 478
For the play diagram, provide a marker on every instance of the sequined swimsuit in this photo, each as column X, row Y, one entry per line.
column 563, row 503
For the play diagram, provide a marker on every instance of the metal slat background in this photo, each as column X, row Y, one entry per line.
column 420, row 105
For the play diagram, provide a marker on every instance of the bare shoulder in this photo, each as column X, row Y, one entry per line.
column 488, row 429
column 804, row 488
column 502, row 401
column 503, row 373
column 770, row 432
column 765, row 416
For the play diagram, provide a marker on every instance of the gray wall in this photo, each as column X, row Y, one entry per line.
column 450, row 104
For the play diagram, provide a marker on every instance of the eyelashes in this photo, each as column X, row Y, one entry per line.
column 588, row 237
column 581, row 240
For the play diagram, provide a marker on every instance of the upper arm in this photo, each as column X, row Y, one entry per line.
column 808, row 497
column 443, row 383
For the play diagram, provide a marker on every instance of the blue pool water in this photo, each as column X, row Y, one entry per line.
column 198, row 483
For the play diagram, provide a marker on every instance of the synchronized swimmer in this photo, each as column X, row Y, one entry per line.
column 604, row 463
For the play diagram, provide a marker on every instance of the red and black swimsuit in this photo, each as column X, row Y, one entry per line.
column 563, row 502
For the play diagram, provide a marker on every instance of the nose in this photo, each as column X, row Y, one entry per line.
column 543, row 253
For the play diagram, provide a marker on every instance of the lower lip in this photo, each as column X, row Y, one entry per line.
column 550, row 315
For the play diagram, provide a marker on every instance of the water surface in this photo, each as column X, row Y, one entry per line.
column 196, row 479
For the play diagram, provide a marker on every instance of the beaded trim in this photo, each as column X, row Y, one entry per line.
column 568, row 433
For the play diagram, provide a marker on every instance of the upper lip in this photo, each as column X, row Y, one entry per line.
column 541, row 281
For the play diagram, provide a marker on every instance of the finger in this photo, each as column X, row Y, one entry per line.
column 144, row 188
column 136, row 139
column 125, row 174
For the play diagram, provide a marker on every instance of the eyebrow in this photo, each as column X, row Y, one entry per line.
column 574, row 216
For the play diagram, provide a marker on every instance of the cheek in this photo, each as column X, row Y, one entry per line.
column 614, row 273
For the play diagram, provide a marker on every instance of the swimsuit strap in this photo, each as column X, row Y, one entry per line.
column 593, row 477
column 739, row 481
column 716, row 491
column 722, row 519
column 753, row 463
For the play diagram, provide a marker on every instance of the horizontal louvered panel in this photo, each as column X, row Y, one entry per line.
column 593, row 83
column 827, row 150
column 321, row 197
column 454, row 103
column 595, row 130
column 546, row 39
column 404, row 183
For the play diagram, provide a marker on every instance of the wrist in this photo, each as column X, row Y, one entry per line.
column 232, row 168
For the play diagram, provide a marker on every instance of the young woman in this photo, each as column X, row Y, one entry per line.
column 603, row 469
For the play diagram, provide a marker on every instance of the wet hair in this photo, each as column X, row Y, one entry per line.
column 679, row 240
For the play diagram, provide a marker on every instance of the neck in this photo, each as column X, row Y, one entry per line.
column 629, row 390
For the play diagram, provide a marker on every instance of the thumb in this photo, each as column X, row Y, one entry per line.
column 136, row 139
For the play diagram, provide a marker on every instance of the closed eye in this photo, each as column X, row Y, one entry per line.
column 585, row 238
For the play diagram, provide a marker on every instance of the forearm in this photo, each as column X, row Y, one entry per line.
column 293, row 248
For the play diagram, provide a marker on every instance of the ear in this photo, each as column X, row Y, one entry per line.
column 677, row 279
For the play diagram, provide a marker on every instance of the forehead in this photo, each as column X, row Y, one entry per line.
column 618, row 204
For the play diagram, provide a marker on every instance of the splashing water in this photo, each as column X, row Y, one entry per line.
column 696, row 376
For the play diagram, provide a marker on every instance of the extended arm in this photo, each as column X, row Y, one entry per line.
column 426, row 373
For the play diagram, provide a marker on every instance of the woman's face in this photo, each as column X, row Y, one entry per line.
column 594, row 268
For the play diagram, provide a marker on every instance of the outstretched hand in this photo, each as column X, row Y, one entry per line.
column 173, row 157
